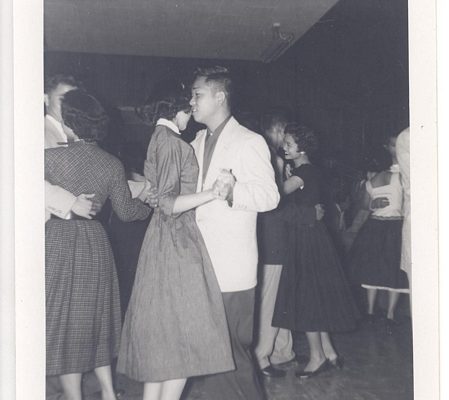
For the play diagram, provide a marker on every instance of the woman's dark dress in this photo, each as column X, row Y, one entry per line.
column 82, row 297
column 313, row 293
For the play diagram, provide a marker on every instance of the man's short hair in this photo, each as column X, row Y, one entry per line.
column 221, row 78
column 52, row 82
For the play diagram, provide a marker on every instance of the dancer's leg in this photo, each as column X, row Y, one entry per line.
column 104, row 376
column 393, row 298
column 371, row 297
column 172, row 389
column 71, row 384
column 328, row 348
column 152, row 390
column 317, row 356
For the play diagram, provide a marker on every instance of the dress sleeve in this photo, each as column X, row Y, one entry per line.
column 163, row 168
column 126, row 208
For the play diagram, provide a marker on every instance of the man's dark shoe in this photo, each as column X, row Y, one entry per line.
column 272, row 372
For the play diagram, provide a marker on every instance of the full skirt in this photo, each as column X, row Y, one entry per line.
column 175, row 326
column 82, row 297
column 313, row 293
column 375, row 256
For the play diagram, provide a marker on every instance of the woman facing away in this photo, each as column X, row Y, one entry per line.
column 82, row 297
column 175, row 326
column 313, row 295
column 375, row 256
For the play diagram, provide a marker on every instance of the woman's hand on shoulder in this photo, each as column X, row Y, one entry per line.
column 288, row 171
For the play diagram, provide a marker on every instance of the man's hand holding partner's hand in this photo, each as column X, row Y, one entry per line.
column 224, row 185
column 86, row 206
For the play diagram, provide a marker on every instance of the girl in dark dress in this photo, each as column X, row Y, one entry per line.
column 82, row 297
column 313, row 295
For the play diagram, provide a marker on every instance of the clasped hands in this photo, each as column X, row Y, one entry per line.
column 149, row 195
column 86, row 206
column 223, row 187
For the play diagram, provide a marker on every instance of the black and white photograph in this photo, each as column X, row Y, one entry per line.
column 222, row 200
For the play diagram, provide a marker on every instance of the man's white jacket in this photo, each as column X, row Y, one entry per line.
column 230, row 231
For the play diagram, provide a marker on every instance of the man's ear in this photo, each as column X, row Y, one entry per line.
column 46, row 99
column 221, row 97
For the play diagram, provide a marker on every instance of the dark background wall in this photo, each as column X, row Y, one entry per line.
column 347, row 78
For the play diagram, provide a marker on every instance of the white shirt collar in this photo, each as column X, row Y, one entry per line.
column 56, row 123
column 169, row 124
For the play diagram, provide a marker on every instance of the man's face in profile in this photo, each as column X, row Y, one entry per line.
column 53, row 100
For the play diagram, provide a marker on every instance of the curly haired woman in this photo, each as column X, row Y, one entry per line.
column 82, row 295
column 313, row 295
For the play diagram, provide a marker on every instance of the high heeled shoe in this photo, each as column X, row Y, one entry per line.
column 337, row 362
column 325, row 365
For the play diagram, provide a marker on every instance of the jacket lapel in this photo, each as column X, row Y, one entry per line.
column 198, row 146
column 220, row 157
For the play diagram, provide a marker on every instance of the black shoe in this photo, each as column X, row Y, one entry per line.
column 337, row 362
column 325, row 365
column 272, row 372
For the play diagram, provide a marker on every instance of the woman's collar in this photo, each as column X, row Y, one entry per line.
column 168, row 124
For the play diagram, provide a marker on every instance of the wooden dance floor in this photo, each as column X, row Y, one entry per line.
column 377, row 367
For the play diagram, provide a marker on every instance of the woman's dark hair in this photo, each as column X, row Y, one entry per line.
column 303, row 136
column 165, row 102
column 378, row 160
column 84, row 115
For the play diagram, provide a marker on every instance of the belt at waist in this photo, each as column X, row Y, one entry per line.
column 72, row 216
column 380, row 218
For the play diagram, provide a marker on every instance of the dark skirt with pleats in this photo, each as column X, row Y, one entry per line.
column 375, row 256
column 313, row 292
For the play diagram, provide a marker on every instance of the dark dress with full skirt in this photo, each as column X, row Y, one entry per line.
column 175, row 326
column 313, row 292
column 82, row 297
